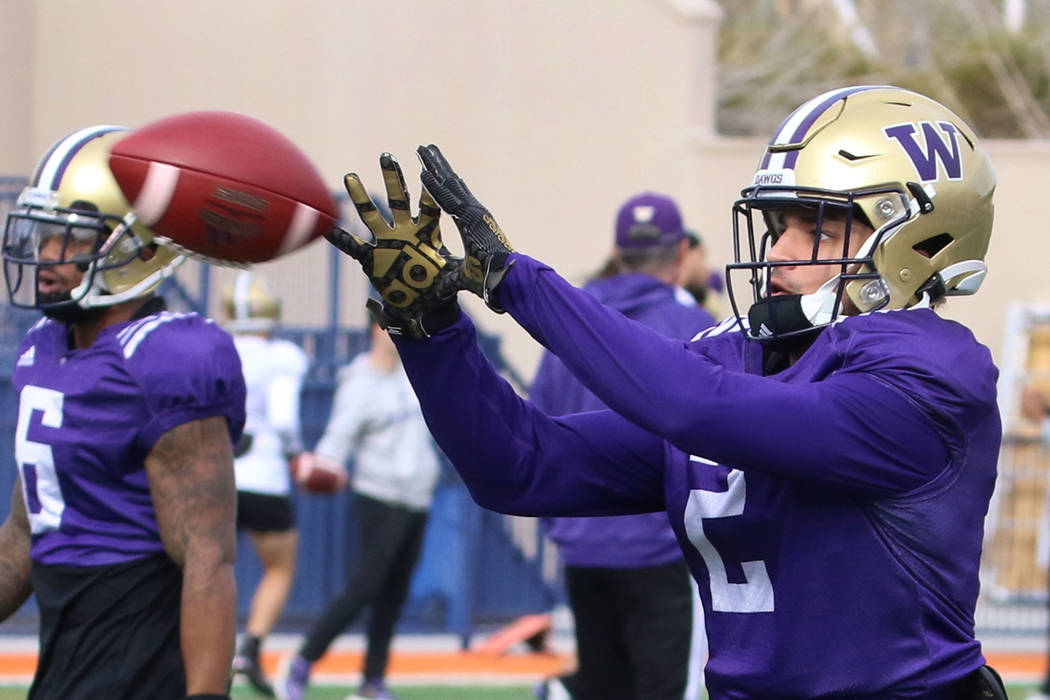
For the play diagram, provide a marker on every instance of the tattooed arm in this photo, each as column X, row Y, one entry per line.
column 15, row 585
column 191, row 480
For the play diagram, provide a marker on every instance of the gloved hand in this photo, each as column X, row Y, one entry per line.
column 406, row 261
column 485, row 247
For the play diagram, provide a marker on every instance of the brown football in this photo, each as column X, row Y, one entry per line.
column 223, row 185
column 317, row 474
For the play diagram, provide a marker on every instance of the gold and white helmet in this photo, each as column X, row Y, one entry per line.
column 903, row 163
column 249, row 304
column 73, row 196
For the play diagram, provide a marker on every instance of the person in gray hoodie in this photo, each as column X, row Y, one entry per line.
column 627, row 581
column 376, row 419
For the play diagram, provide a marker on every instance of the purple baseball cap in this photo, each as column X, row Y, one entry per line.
column 648, row 219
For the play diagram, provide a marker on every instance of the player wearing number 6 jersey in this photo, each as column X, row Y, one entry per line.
column 826, row 458
column 122, row 519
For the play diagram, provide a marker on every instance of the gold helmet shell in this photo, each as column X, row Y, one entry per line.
column 910, row 167
column 249, row 304
column 73, row 194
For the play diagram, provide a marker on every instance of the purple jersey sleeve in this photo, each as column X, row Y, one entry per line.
column 677, row 391
column 188, row 369
column 514, row 458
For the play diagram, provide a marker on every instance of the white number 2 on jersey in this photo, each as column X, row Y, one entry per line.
column 756, row 593
column 40, row 488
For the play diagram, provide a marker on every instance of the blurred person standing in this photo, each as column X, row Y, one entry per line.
column 376, row 419
column 627, row 581
column 273, row 372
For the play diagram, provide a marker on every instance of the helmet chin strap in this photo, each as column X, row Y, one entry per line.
column 793, row 313
column 819, row 307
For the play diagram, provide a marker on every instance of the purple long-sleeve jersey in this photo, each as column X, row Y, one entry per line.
column 832, row 514
column 625, row 541
column 88, row 418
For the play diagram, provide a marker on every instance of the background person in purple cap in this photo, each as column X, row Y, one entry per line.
column 122, row 517
column 826, row 458
column 626, row 578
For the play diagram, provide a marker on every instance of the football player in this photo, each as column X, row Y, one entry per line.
column 122, row 517
column 826, row 457
column 273, row 373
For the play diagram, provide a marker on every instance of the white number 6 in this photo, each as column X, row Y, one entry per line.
column 44, row 503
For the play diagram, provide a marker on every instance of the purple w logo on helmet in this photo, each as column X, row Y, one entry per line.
column 941, row 146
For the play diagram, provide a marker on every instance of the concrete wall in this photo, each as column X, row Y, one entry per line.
column 554, row 111
column 16, row 81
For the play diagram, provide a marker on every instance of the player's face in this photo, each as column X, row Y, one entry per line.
column 65, row 276
column 796, row 242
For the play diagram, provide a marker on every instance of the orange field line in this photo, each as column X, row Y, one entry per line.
column 537, row 664
column 421, row 662
column 401, row 663
column 1010, row 663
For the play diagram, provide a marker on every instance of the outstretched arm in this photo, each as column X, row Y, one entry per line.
column 190, row 471
column 666, row 387
column 670, row 389
column 15, row 584
column 515, row 459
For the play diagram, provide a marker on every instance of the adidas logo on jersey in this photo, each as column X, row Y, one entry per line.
column 26, row 358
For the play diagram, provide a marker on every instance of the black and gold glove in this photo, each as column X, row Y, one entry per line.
column 406, row 261
column 485, row 247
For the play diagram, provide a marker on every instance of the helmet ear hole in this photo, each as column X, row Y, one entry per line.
column 933, row 245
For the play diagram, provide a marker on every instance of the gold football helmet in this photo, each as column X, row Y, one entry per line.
column 249, row 304
column 900, row 162
column 75, row 208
